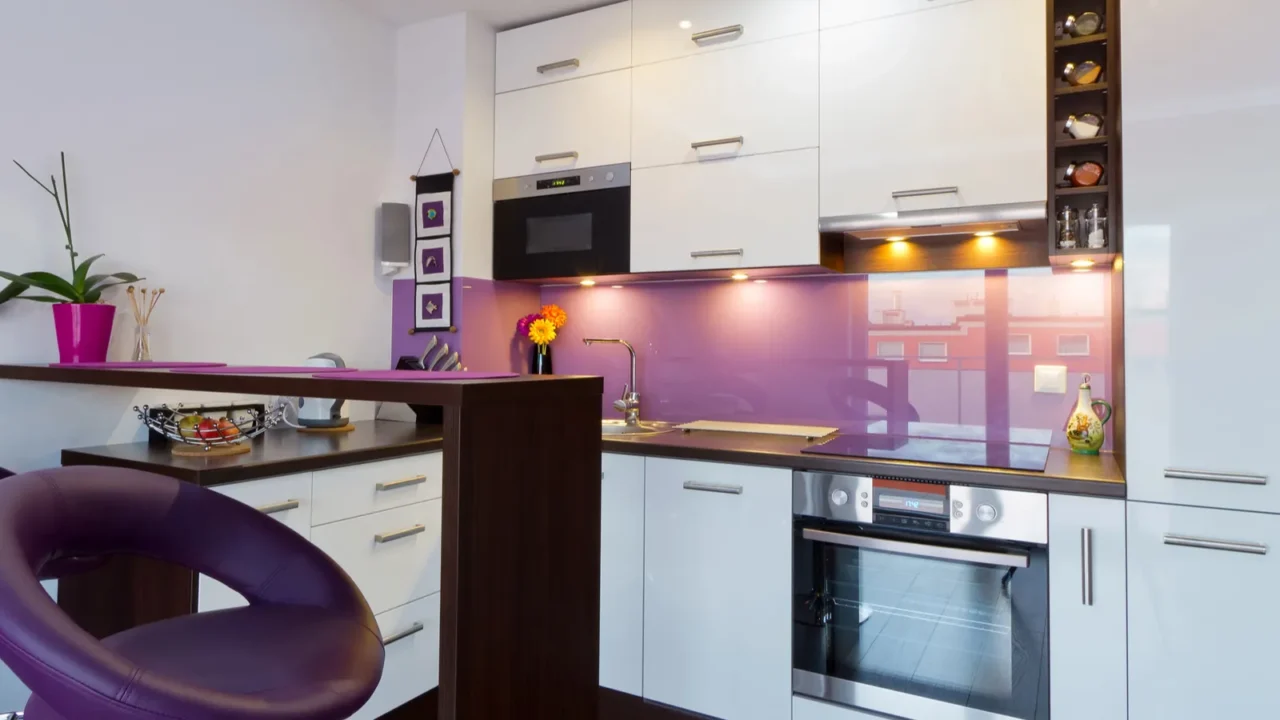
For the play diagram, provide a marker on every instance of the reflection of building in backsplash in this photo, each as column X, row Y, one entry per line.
column 948, row 349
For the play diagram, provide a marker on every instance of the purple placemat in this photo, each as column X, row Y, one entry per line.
column 412, row 375
column 267, row 370
column 138, row 365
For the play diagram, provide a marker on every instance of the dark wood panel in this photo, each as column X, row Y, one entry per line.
column 423, row 707
column 621, row 706
column 126, row 592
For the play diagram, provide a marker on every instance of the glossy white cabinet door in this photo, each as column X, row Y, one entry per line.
column 575, row 124
column 1201, row 295
column 754, row 211
column 1202, row 623
column 578, row 45
column 665, row 29
column 412, row 663
column 953, row 97
column 717, row 605
column 346, row 492
column 622, row 573
column 1087, row 662
column 846, row 12
column 766, row 94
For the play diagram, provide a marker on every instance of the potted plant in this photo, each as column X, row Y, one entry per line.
column 82, row 321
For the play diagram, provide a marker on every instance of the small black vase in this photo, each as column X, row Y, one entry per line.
column 540, row 360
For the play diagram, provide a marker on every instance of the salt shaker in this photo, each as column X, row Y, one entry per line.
column 1095, row 228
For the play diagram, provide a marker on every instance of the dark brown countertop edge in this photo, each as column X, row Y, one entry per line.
column 987, row 477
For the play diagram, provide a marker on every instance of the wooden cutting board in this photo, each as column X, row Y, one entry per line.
column 804, row 431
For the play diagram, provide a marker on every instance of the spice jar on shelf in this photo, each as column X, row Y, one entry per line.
column 1086, row 23
column 1095, row 227
column 1068, row 237
column 1083, row 174
column 1086, row 72
column 1084, row 126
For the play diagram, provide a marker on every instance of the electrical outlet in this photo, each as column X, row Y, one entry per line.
column 1051, row 379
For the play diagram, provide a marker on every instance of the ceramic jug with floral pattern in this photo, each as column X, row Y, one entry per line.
column 1084, row 427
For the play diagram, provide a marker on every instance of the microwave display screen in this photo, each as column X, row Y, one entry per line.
column 558, row 234
column 561, row 182
column 923, row 498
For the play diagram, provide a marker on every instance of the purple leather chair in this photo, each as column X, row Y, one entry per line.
column 306, row 647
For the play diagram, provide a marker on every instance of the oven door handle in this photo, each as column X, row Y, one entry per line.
column 939, row 552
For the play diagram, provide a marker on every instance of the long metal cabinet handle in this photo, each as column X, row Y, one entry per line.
column 571, row 62
column 716, row 253
column 938, row 552
column 396, row 484
column 280, row 507
column 736, row 139
column 1212, row 544
column 413, row 629
column 1237, row 478
column 398, row 534
column 709, row 487
column 1086, row 566
column 718, row 32
column 557, row 156
column 922, row 192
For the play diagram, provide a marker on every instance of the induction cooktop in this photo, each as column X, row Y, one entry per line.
column 976, row 453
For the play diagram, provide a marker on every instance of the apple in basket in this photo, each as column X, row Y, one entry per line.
column 228, row 428
column 208, row 430
column 188, row 425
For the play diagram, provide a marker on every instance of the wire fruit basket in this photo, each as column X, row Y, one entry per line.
column 195, row 434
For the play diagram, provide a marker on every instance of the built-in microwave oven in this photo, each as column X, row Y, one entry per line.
column 575, row 223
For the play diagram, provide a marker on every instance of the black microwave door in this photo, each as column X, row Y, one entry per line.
column 570, row 235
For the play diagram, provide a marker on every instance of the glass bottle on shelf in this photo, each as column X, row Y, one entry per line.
column 1095, row 227
column 1068, row 228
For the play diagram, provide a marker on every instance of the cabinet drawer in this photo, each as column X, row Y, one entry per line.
column 695, row 216
column 846, row 12
column 412, row 665
column 1202, row 622
column 665, row 29
column 393, row 556
column 586, row 43
column 766, row 94
column 348, row 492
column 576, row 124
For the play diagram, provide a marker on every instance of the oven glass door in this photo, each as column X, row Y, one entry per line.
column 921, row 627
column 563, row 235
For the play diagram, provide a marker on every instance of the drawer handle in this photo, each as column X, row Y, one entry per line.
column 718, row 32
column 572, row 154
column 1086, row 566
column 708, row 487
column 397, row 484
column 923, row 192
column 381, row 538
column 413, row 629
column 571, row 62
column 736, row 252
column 1236, row 478
column 738, row 140
column 1211, row 544
column 280, row 507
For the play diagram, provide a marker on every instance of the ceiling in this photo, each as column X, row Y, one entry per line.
column 500, row 13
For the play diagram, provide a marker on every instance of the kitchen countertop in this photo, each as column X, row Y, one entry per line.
column 278, row 452
column 1066, row 471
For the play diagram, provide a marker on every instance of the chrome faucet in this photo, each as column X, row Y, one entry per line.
column 629, row 405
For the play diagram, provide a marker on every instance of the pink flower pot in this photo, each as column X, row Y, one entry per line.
column 84, row 331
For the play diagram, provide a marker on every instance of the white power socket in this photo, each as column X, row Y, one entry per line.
column 1051, row 379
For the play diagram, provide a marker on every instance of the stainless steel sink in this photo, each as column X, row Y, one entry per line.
column 621, row 428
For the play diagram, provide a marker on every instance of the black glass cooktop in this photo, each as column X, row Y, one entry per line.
column 977, row 453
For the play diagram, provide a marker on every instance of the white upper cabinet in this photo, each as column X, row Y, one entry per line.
column 578, row 124
column 622, row 573
column 943, row 107
column 1201, row 297
column 665, row 29
column 586, row 43
column 1087, row 661
column 846, row 12
column 1202, row 610
column 754, row 99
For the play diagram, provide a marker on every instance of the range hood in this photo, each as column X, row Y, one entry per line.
column 936, row 222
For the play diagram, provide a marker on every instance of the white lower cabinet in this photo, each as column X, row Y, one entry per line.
column 1087, row 608
column 411, row 634
column 1203, row 618
column 717, row 593
column 622, row 573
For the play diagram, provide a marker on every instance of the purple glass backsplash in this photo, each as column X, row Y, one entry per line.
column 942, row 353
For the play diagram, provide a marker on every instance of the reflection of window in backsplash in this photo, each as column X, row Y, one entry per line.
column 949, row 348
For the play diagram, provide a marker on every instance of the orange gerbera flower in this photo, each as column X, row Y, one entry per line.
column 542, row 332
column 557, row 316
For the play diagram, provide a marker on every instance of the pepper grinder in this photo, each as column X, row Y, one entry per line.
column 1068, row 228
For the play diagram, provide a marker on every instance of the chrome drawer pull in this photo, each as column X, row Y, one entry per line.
column 572, row 154
column 1211, row 544
column 718, row 32
column 413, row 629
column 736, row 252
column 926, row 191
column 938, row 552
column 397, row 484
column 572, row 62
column 1236, row 478
column 1086, row 566
column 398, row 534
column 737, row 139
column 708, row 487
column 280, row 507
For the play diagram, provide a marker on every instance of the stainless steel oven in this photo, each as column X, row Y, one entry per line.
column 918, row 600
column 575, row 223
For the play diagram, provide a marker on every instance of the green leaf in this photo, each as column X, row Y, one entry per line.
column 47, row 282
column 95, row 282
column 13, row 290
column 95, row 293
column 42, row 299
column 82, row 272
